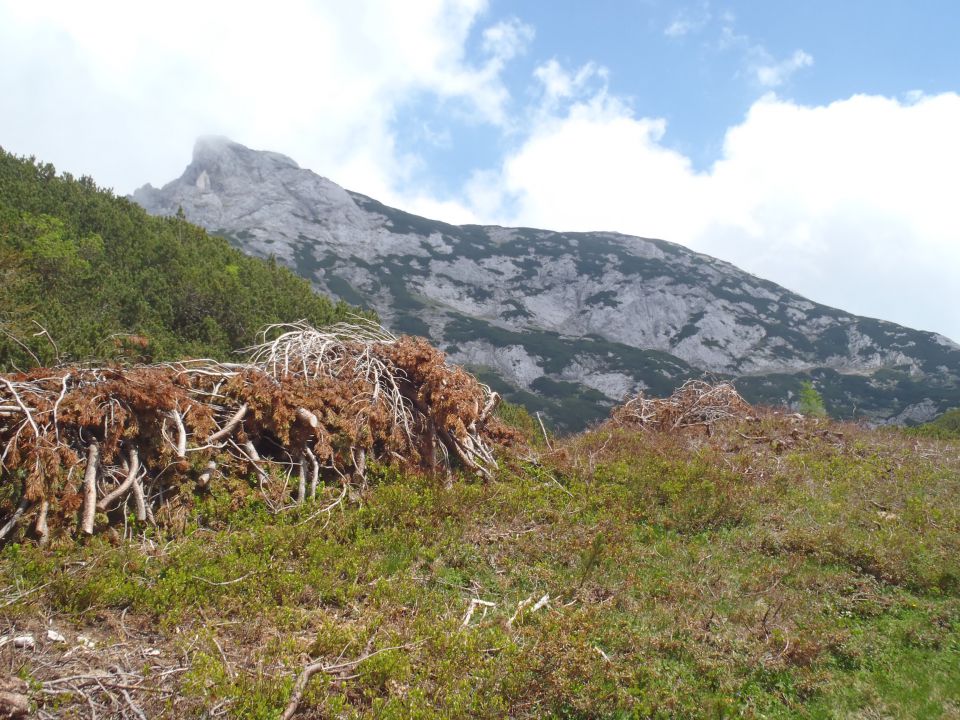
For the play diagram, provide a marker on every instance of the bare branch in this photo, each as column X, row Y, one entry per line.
column 40, row 526
column 122, row 488
column 26, row 410
column 181, row 433
column 231, row 424
column 14, row 519
column 300, row 686
column 90, row 485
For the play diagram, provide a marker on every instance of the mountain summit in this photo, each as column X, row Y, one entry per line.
column 564, row 322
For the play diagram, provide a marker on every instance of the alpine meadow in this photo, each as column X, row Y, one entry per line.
column 330, row 524
column 609, row 375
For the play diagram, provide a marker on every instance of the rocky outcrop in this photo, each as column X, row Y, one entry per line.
column 571, row 322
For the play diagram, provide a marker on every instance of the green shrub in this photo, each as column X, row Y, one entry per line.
column 945, row 427
column 811, row 402
column 108, row 281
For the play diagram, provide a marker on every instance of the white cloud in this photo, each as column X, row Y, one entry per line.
column 558, row 84
column 128, row 86
column 772, row 74
column 758, row 63
column 688, row 20
column 851, row 203
column 678, row 28
column 729, row 37
column 507, row 39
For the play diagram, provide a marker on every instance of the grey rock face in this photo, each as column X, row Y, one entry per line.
column 921, row 412
column 574, row 321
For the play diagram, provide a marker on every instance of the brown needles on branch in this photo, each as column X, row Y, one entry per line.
column 695, row 403
column 83, row 443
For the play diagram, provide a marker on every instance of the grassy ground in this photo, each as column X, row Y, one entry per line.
column 774, row 569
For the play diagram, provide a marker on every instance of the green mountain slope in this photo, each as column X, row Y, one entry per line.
column 106, row 280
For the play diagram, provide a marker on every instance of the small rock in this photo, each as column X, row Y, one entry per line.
column 151, row 652
column 54, row 636
column 24, row 642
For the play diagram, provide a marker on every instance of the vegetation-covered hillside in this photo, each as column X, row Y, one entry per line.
column 773, row 567
column 104, row 279
column 945, row 427
column 315, row 552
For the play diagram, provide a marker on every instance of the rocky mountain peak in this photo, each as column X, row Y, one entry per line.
column 226, row 181
column 568, row 322
column 218, row 156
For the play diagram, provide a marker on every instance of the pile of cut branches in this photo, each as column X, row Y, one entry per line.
column 695, row 404
column 310, row 404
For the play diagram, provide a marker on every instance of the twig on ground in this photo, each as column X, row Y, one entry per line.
column 474, row 604
column 300, row 686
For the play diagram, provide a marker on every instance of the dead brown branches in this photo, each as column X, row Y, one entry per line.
column 695, row 403
column 89, row 445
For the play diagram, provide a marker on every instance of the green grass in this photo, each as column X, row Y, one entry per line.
column 804, row 576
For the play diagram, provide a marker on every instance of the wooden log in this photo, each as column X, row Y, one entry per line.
column 360, row 463
column 429, row 444
column 139, row 500
column 253, row 457
column 308, row 417
column 251, row 451
column 207, row 474
column 90, row 488
column 181, row 434
column 14, row 698
column 41, row 527
column 491, row 405
column 302, row 487
column 314, row 472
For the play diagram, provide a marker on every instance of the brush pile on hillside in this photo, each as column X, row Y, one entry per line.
column 311, row 404
column 695, row 404
column 717, row 414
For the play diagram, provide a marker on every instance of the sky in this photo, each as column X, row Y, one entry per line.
column 814, row 144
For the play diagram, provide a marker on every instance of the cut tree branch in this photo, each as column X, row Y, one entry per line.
column 181, row 434
column 90, row 488
column 15, row 518
column 231, row 424
column 121, row 489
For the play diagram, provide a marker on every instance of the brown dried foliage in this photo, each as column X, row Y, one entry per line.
column 698, row 409
column 332, row 398
column 695, row 404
